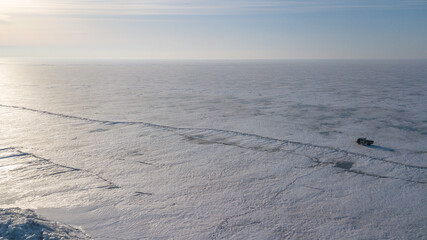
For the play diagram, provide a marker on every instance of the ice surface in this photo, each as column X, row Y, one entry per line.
column 16, row 223
column 218, row 150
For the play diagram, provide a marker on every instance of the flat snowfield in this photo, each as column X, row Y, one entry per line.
column 214, row 150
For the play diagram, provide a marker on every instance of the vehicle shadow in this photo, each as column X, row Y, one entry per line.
column 381, row 148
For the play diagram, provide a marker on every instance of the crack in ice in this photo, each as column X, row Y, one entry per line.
column 110, row 185
column 251, row 142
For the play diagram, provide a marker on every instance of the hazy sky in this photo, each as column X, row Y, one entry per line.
column 213, row 29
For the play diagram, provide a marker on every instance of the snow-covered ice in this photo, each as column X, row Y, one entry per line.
column 16, row 223
column 218, row 150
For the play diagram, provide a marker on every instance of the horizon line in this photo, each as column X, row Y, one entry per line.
column 206, row 59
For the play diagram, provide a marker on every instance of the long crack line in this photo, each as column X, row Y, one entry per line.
column 110, row 184
column 236, row 133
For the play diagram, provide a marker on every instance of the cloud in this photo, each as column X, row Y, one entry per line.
column 193, row 7
column 4, row 18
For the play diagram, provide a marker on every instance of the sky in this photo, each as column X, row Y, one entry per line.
column 214, row 29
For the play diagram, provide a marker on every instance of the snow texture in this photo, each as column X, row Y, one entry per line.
column 16, row 223
column 218, row 150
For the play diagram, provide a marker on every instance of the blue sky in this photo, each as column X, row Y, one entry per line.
column 207, row 29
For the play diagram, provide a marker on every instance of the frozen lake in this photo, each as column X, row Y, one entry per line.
column 218, row 149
